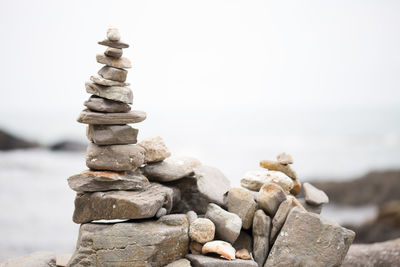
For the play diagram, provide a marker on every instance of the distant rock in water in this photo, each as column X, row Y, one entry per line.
column 68, row 146
column 10, row 142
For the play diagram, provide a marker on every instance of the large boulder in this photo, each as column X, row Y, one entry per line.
column 126, row 244
column 36, row 259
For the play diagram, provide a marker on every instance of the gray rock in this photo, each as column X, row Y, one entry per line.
column 145, row 243
column 382, row 254
column 207, row 185
column 202, row 230
column 314, row 196
column 311, row 208
column 113, row 34
column 308, row 240
column 120, row 63
column 261, row 233
column 161, row 212
column 270, row 197
column 207, row 261
column 191, row 216
column 114, row 74
column 100, row 104
column 156, row 150
column 280, row 217
column 93, row 181
column 36, row 259
column 113, row 52
column 112, row 134
column 170, row 169
column 114, row 157
column 244, row 240
column 105, row 82
column 117, row 93
column 180, row 263
column 122, row 204
column 63, row 259
column 195, row 248
column 227, row 224
column 241, row 202
column 89, row 117
column 114, row 44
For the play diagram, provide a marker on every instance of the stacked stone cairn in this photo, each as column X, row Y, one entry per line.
column 138, row 206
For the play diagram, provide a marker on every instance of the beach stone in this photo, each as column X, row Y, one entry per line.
column 117, row 93
column 179, row 263
column 261, row 234
column 219, row 247
column 93, row 181
column 309, row 240
column 254, row 180
column 113, row 52
column 161, row 212
column 227, row 224
column 202, row 230
column 195, row 247
column 207, row 185
column 314, row 196
column 99, row 104
column 114, row 44
column 191, row 216
column 296, row 202
column 311, row 208
column 276, row 166
column 63, row 259
column 280, row 217
column 114, row 74
column 120, row 63
column 207, row 261
column 270, row 197
column 122, row 204
column 296, row 187
column 113, row 34
column 36, row 259
column 170, row 169
column 112, row 134
column 101, row 81
column 156, row 150
column 114, row 157
column 244, row 240
column 127, row 244
column 91, row 117
column 242, row 203
column 243, row 254
column 284, row 159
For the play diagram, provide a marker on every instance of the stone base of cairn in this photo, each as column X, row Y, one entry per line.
column 178, row 212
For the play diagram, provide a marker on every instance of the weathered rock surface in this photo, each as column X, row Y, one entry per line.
column 156, row 150
column 63, row 259
column 242, row 203
column 105, row 82
column 89, row 117
column 243, row 254
column 284, row 159
column 276, row 166
column 227, row 224
column 36, row 259
column 122, row 204
column 202, row 230
column 170, row 169
column 114, row 44
column 261, row 233
column 244, row 240
column 207, row 185
column 93, row 181
column 114, row 74
column 314, row 196
column 219, row 247
column 270, row 197
column 180, row 263
column 113, row 34
column 207, row 261
column 308, row 240
column 120, row 63
column 113, row 52
column 112, row 134
column 114, row 157
column 280, row 217
column 127, row 244
column 100, row 104
column 117, row 93
column 254, row 180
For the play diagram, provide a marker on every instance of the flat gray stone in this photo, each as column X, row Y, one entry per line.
column 105, row 82
column 261, row 233
column 208, row 261
column 145, row 243
column 113, row 52
column 93, row 181
column 313, row 195
column 99, row 104
column 92, row 117
column 114, row 44
column 122, row 205
column 120, row 63
column 227, row 224
column 156, row 150
column 112, row 134
column 311, row 208
column 117, row 93
column 36, row 259
column 270, row 197
column 114, row 74
column 309, row 240
column 114, row 157
column 280, row 217
column 242, row 203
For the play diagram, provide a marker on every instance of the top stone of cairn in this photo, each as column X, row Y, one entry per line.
column 113, row 39
column 113, row 34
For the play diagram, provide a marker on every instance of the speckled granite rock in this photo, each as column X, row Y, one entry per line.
column 202, row 230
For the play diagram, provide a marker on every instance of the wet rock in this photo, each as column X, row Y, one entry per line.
column 261, row 234
column 161, row 212
column 120, row 63
column 280, row 217
column 112, row 134
column 92, row 181
column 113, row 52
column 243, row 254
column 117, row 93
column 276, row 166
column 219, row 247
column 314, row 196
column 156, row 150
column 244, row 241
column 195, row 247
column 296, row 187
column 191, row 216
column 180, row 263
column 202, row 230
column 114, row 74
column 126, row 244
column 284, row 159
column 254, row 180
column 207, row 261
column 308, row 240
column 270, row 197
column 114, row 44
column 311, row 208
column 101, row 81
column 242, row 203
column 89, row 117
column 227, row 224
column 170, row 169
column 114, row 157
column 36, row 259
column 113, row 34
column 122, row 204
column 63, row 259
column 100, row 104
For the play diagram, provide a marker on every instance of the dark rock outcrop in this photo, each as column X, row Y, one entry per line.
column 10, row 142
